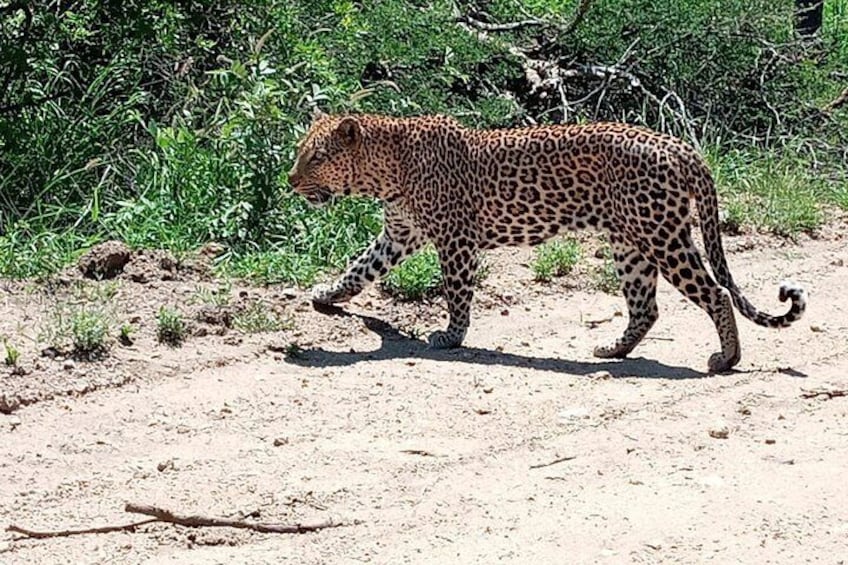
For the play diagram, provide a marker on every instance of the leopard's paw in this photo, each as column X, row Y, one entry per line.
column 444, row 340
column 326, row 294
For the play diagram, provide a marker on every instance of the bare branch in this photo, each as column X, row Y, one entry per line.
column 554, row 462
column 167, row 516
column 838, row 102
column 511, row 26
column 35, row 534
column 827, row 394
column 164, row 515
column 579, row 15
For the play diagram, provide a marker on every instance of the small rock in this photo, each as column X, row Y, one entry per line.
column 600, row 375
column 289, row 292
column 770, row 442
column 168, row 263
column 505, row 312
column 68, row 365
column 816, row 329
column 281, row 441
column 140, row 277
column 719, row 433
column 165, row 465
column 483, row 411
column 5, row 546
column 488, row 390
column 50, row 352
column 9, row 404
column 838, row 262
column 13, row 421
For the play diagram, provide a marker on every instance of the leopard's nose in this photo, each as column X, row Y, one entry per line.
column 294, row 177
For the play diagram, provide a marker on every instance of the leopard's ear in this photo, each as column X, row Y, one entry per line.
column 317, row 113
column 349, row 132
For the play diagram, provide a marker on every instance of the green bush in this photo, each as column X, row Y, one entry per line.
column 555, row 258
column 417, row 277
column 172, row 124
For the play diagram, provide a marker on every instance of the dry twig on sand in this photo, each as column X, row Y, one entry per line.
column 554, row 462
column 167, row 516
column 827, row 393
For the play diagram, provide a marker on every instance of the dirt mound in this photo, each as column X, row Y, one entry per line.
column 105, row 261
column 113, row 259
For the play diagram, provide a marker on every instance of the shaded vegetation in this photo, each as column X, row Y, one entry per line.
column 172, row 124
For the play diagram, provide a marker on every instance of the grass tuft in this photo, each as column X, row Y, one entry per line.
column 555, row 258
column 89, row 328
column 12, row 354
column 171, row 329
column 420, row 276
column 605, row 278
column 258, row 317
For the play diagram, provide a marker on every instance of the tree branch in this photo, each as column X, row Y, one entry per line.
column 167, row 516
column 838, row 102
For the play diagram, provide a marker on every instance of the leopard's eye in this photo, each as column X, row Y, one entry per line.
column 318, row 157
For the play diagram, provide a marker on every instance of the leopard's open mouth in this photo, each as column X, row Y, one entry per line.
column 316, row 195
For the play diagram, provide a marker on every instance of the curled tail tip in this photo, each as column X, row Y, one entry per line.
column 792, row 291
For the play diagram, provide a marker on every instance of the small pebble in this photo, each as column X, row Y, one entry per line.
column 719, row 433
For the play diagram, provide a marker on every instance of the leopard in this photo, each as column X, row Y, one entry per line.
column 467, row 190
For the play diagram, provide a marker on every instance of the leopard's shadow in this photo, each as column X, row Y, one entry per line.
column 395, row 345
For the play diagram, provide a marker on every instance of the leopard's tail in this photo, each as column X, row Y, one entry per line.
column 704, row 192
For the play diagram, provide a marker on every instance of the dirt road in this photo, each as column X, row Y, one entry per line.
column 520, row 448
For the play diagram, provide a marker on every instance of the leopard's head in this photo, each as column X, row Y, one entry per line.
column 333, row 160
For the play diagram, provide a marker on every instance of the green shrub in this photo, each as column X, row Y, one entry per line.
column 417, row 277
column 170, row 327
column 170, row 124
column 555, row 258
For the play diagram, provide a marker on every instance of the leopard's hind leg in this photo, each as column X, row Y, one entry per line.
column 681, row 265
column 638, row 278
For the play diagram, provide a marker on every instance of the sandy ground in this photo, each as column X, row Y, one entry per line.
column 519, row 448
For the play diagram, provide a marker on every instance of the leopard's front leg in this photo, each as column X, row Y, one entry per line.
column 459, row 265
column 398, row 240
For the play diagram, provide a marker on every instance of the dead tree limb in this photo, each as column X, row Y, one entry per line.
column 26, row 532
column 577, row 18
column 838, row 102
column 826, row 393
column 550, row 76
column 164, row 515
column 167, row 516
column 511, row 26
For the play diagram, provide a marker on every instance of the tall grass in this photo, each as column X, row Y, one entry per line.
column 172, row 124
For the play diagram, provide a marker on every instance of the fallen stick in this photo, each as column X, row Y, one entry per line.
column 169, row 517
column 67, row 533
column 554, row 462
column 832, row 393
column 839, row 101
